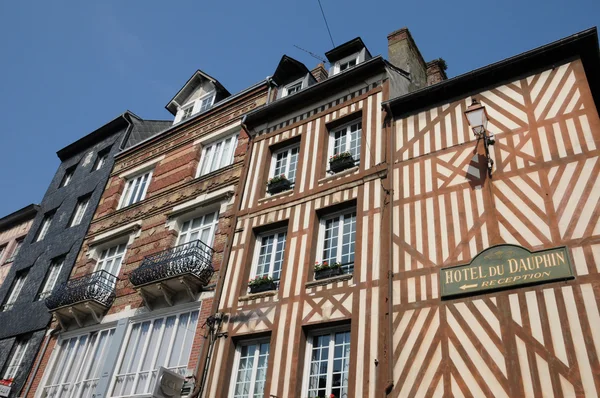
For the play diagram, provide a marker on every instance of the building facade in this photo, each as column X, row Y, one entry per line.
column 304, row 296
column 143, row 284
column 539, row 338
column 48, row 253
column 13, row 229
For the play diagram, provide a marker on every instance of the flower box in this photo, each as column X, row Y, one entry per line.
column 327, row 272
column 280, row 185
column 264, row 287
column 341, row 162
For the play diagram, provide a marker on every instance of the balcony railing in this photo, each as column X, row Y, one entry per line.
column 194, row 258
column 98, row 287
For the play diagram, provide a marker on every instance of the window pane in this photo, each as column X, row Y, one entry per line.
column 251, row 371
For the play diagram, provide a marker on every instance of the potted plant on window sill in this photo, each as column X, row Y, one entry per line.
column 278, row 184
column 341, row 161
column 326, row 270
column 261, row 284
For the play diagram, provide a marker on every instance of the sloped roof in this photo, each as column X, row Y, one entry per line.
column 188, row 88
column 289, row 69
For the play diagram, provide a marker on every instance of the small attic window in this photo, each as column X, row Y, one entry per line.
column 187, row 111
column 292, row 88
column 196, row 106
column 345, row 63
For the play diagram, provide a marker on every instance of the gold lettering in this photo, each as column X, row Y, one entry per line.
column 466, row 274
column 530, row 265
column 457, row 276
column 484, row 283
column 473, row 273
column 513, row 264
column 482, row 273
column 492, row 282
column 501, row 269
column 522, row 265
column 561, row 256
column 538, row 261
column 546, row 273
column 493, row 271
column 537, row 275
column 448, row 277
column 547, row 259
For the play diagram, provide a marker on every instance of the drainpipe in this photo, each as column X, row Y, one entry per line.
column 199, row 389
column 49, row 335
column 390, row 384
column 125, row 116
column 270, row 84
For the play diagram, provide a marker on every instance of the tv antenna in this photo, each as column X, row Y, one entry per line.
column 312, row 54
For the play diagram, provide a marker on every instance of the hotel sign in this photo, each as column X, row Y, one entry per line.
column 505, row 266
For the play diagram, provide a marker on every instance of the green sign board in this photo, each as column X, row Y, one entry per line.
column 505, row 266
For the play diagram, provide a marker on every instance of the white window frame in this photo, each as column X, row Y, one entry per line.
column 15, row 290
column 287, row 87
column 198, row 105
column 128, row 193
column 104, row 258
column 46, row 223
column 345, row 60
column 184, row 111
column 321, row 242
column 80, row 209
column 289, row 150
column 280, row 233
column 208, row 154
column 101, row 159
column 16, row 359
column 144, row 350
column 212, row 226
column 236, row 364
column 308, row 356
column 347, row 143
column 87, row 365
column 51, row 277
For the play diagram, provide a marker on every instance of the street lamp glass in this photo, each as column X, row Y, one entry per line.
column 477, row 117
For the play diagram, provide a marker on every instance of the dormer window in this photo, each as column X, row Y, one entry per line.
column 206, row 102
column 187, row 112
column 292, row 88
column 198, row 105
column 345, row 63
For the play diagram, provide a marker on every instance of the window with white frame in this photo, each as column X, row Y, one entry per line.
column 328, row 362
column 101, row 159
column 217, row 155
column 165, row 341
column 284, row 162
column 292, row 88
column 111, row 259
column 67, row 177
column 270, row 249
column 206, row 102
column 43, row 230
column 187, row 111
column 337, row 236
column 135, row 189
column 250, row 372
column 15, row 290
column 346, row 139
column 15, row 362
column 196, row 106
column 80, row 208
column 199, row 228
column 345, row 63
column 77, row 366
column 16, row 250
column 51, row 277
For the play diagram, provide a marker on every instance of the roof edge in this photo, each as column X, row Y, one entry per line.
column 26, row 212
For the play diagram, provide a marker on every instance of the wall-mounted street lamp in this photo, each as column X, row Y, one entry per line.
column 478, row 119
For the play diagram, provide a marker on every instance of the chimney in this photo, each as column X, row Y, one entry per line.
column 320, row 73
column 436, row 71
column 403, row 53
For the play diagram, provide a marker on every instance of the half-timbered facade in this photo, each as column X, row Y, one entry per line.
column 143, row 285
column 543, row 193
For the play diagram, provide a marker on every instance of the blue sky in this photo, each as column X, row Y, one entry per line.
column 70, row 68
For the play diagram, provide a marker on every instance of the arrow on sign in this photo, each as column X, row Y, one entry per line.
column 464, row 287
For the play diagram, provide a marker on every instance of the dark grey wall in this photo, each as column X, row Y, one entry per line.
column 29, row 315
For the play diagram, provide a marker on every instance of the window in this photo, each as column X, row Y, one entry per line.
column 199, row 228
column 15, row 290
column 292, row 88
column 206, row 102
column 15, row 362
column 187, row 112
column 327, row 369
column 217, row 155
column 337, row 237
column 270, row 250
column 345, row 63
column 250, row 371
column 76, row 370
column 135, row 189
column 101, row 159
column 347, row 139
column 285, row 162
column 150, row 344
column 2, row 250
column 51, row 278
column 15, row 251
column 80, row 209
column 46, row 222
column 111, row 259
column 67, row 177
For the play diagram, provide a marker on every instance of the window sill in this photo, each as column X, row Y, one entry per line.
column 351, row 170
column 254, row 296
column 327, row 281
column 282, row 194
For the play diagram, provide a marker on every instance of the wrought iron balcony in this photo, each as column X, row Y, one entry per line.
column 186, row 267
column 90, row 294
